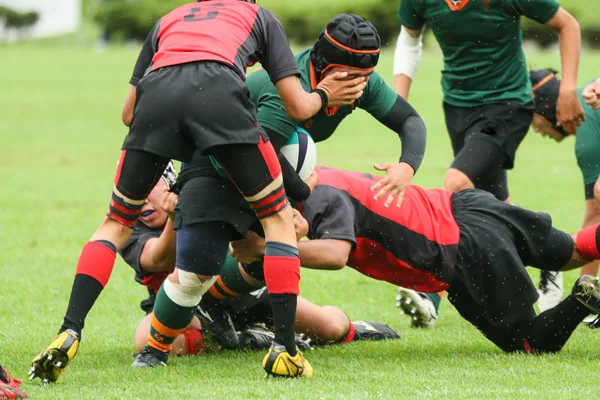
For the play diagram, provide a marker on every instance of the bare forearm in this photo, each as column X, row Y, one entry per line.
column 402, row 85
column 570, row 46
column 317, row 254
column 164, row 250
column 305, row 107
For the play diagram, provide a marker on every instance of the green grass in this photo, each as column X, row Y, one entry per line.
column 62, row 133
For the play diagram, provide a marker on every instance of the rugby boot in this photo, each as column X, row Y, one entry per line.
column 10, row 387
column 418, row 307
column 279, row 363
column 50, row 364
column 550, row 289
column 149, row 358
column 587, row 291
column 371, row 330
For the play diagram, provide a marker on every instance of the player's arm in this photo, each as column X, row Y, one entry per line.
column 279, row 62
column 158, row 254
column 407, row 56
column 329, row 254
column 569, row 111
column 403, row 119
column 334, row 90
column 141, row 65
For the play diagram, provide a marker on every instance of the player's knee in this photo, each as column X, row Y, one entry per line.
column 337, row 326
column 456, row 180
column 187, row 289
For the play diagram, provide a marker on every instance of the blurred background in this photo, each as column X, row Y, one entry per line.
column 122, row 21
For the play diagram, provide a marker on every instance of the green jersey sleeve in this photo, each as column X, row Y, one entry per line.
column 538, row 10
column 271, row 113
column 378, row 97
column 411, row 14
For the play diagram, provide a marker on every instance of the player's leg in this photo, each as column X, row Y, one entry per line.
column 190, row 342
column 201, row 252
column 329, row 324
column 256, row 172
column 10, row 388
column 493, row 133
column 137, row 174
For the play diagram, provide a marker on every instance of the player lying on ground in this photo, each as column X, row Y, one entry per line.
column 468, row 243
column 10, row 388
column 487, row 95
column 150, row 251
column 207, row 46
column 546, row 89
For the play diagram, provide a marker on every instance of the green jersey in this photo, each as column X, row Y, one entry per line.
column 587, row 142
column 481, row 43
column 378, row 98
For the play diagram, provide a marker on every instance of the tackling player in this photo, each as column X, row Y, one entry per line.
column 468, row 243
column 488, row 104
column 150, row 251
column 546, row 88
column 192, row 97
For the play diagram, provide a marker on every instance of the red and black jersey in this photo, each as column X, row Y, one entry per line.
column 232, row 32
column 413, row 246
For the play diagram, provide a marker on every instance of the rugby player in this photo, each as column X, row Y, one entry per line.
column 192, row 97
column 546, row 89
column 347, row 44
column 150, row 251
column 468, row 243
column 488, row 105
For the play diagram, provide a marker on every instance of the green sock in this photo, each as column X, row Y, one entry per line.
column 168, row 321
column 231, row 282
column 435, row 299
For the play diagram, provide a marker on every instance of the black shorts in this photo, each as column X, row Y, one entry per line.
column 191, row 106
column 207, row 197
column 491, row 287
column 485, row 140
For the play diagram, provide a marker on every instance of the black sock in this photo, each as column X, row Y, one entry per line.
column 285, row 334
column 550, row 330
column 84, row 293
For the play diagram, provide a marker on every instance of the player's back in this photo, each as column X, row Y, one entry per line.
column 229, row 31
column 425, row 211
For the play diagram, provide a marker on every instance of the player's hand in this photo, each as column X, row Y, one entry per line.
column 300, row 224
column 396, row 181
column 569, row 112
column 591, row 94
column 341, row 90
column 250, row 249
column 168, row 202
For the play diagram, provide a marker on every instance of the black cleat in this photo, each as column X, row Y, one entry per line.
column 217, row 323
column 149, row 358
column 370, row 330
column 587, row 291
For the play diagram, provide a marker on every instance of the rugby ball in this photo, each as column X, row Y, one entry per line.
column 301, row 152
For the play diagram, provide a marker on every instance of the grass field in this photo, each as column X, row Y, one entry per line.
column 60, row 125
